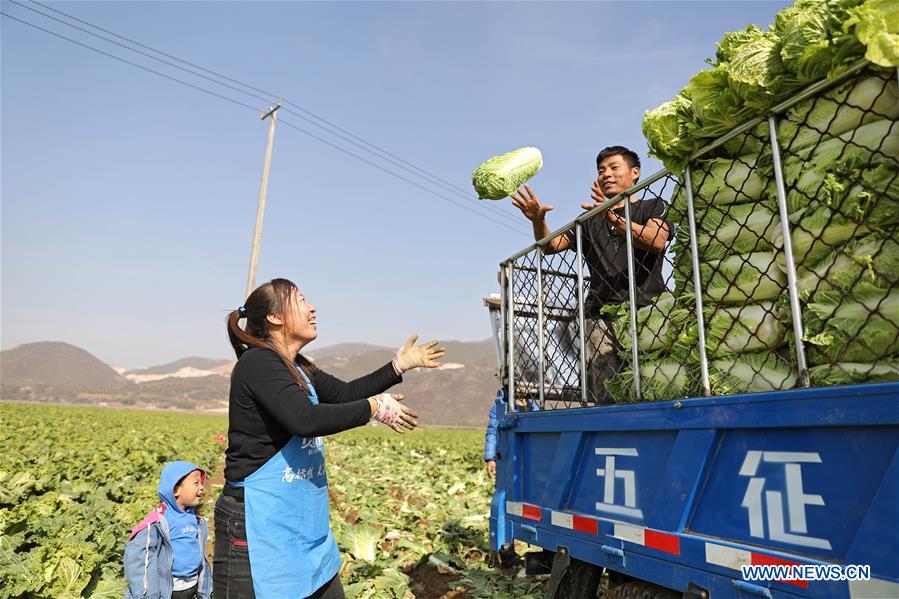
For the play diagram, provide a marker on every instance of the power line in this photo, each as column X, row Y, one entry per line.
column 150, row 56
column 379, row 167
column 399, row 163
column 133, row 64
column 342, row 133
column 463, row 191
column 254, row 109
column 136, row 43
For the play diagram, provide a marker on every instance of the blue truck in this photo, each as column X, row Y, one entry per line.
column 703, row 482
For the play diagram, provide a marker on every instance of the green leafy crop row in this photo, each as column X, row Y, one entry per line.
column 409, row 512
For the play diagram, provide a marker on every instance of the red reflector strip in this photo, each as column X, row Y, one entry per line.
column 733, row 558
column 531, row 512
column 587, row 525
column 760, row 559
column 662, row 541
column 572, row 522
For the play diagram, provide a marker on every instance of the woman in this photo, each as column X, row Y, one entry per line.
column 272, row 537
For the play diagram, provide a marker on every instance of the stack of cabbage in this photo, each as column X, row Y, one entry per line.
column 666, row 340
column 754, row 69
column 841, row 167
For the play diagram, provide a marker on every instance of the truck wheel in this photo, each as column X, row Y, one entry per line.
column 580, row 581
column 638, row 589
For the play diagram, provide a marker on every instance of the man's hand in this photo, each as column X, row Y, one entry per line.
column 600, row 198
column 491, row 468
column 525, row 200
column 411, row 356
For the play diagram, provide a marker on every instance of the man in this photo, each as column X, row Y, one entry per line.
column 507, row 556
column 605, row 252
column 491, row 435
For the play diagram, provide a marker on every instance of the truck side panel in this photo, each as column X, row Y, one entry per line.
column 709, row 485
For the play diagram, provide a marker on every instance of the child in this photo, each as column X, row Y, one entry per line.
column 165, row 556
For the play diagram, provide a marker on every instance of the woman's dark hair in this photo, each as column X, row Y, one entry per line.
column 270, row 298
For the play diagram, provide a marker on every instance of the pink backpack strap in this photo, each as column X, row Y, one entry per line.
column 151, row 518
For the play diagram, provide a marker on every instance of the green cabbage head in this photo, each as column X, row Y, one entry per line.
column 500, row 176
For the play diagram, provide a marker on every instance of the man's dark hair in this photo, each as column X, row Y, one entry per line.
column 629, row 156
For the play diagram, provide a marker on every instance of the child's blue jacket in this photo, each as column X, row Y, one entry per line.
column 148, row 559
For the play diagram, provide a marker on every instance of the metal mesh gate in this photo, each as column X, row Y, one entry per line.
column 780, row 268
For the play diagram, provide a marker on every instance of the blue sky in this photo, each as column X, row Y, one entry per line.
column 128, row 201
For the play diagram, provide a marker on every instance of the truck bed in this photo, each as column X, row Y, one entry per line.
column 807, row 476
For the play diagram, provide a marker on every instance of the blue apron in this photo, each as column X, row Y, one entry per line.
column 292, row 550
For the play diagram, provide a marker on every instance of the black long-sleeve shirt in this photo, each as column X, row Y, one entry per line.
column 267, row 407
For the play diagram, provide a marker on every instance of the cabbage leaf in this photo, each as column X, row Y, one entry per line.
column 750, row 373
column 817, row 233
column 754, row 67
column 851, row 105
column 736, row 229
column 847, row 373
column 660, row 380
column 741, row 329
column 876, row 25
column 872, row 260
column 813, row 43
column 862, row 326
column 743, row 278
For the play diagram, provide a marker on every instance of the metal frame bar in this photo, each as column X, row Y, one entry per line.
column 632, row 296
column 540, row 325
column 549, row 271
column 795, row 309
column 549, row 310
column 578, row 231
column 806, row 93
column 821, row 85
column 576, row 225
column 783, row 106
column 697, row 286
column 533, row 314
column 588, row 215
column 510, row 292
column 503, row 333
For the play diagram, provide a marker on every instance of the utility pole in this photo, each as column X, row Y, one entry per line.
column 260, row 209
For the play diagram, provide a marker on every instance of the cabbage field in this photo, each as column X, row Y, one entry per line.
column 409, row 511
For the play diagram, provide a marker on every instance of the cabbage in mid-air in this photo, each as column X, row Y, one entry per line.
column 500, row 176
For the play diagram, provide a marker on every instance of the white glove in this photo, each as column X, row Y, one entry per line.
column 411, row 356
column 394, row 414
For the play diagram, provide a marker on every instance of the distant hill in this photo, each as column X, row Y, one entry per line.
column 204, row 392
column 172, row 367
column 345, row 350
column 54, row 372
column 57, row 363
column 224, row 369
column 458, row 393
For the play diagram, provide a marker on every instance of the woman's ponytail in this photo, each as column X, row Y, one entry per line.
column 269, row 298
column 240, row 341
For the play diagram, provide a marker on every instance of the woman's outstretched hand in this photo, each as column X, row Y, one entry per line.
column 411, row 356
column 394, row 414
